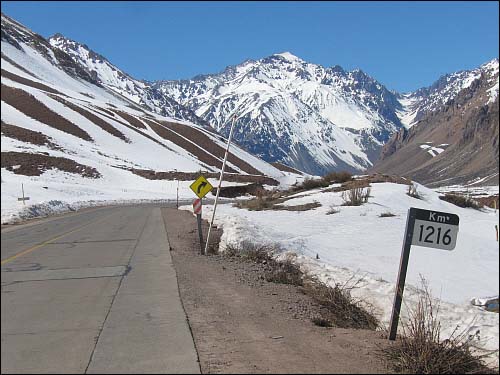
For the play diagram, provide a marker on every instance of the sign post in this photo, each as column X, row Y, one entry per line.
column 423, row 228
column 24, row 199
column 220, row 182
column 197, row 205
column 200, row 187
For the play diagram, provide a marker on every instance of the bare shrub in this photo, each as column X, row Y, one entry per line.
column 412, row 191
column 420, row 350
column 337, row 177
column 342, row 309
column 284, row 272
column 321, row 322
column 461, row 201
column 309, row 184
column 356, row 196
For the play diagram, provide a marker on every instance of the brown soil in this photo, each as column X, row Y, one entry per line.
column 130, row 119
column 188, row 176
column 209, row 145
column 198, row 152
column 33, row 108
column 36, row 164
column 244, row 324
column 29, row 136
column 29, row 82
column 93, row 118
column 104, row 110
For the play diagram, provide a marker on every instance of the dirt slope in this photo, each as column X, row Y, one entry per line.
column 243, row 324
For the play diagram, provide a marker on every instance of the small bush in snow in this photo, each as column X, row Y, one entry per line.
column 356, row 196
column 412, row 191
column 337, row 177
column 420, row 350
column 461, row 201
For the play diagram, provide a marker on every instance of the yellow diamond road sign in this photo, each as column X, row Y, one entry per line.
column 201, row 187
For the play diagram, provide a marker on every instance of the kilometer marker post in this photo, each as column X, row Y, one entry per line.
column 435, row 229
column 403, row 267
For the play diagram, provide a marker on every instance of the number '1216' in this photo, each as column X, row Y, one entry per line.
column 446, row 239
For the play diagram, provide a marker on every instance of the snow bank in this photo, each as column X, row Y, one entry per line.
column 357, row 243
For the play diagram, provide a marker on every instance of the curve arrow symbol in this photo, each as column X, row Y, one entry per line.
column 202, row 185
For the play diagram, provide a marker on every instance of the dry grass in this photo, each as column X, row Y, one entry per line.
column 420, row 350
column 461, row 201
column 285, row 272
column 342, row 309
column 339, row 308
column 337, row 177
column 356, row 196
column 321, row 322
column 412, row 191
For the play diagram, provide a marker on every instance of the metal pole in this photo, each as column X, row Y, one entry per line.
column 177, row 201
column 24, row 201
column 200, row 233
column 220, row 182
column 403, row 267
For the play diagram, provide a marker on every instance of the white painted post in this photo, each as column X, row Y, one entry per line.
column 220, row 182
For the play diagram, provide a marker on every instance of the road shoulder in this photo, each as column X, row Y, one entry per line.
column 244, row 324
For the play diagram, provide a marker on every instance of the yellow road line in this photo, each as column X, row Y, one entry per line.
column 24, row 252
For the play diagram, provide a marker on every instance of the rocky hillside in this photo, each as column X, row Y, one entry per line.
column 454, row 135
column 113, row 78
column 304, row 115
column 66, row 135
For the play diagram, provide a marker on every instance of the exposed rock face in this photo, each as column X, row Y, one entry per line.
column 109, row 76
column 455, row 142
column 304, row 115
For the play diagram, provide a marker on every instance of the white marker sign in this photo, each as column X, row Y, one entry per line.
column 435, row 229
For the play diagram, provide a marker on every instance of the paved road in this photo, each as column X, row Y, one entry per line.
column 93, row 292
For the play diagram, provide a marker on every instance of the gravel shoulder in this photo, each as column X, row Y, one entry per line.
column 244, row 324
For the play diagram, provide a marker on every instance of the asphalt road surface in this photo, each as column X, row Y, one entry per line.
column 93, row 292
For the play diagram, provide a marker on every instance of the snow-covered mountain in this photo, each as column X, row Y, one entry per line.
column 67, row 135
column 452, row 135
column 418, row 104
column 307, row 116
column 111, row 77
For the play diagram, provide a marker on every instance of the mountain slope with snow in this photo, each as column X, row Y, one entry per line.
column 68, row 137
column 453, row 137
column 304, row 115
column 111, row 77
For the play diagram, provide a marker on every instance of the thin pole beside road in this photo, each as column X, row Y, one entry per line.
column 220, row 182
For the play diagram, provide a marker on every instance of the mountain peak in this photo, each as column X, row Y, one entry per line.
column 288, row 56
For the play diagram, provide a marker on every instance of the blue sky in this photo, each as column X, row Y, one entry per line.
column 404, row 45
